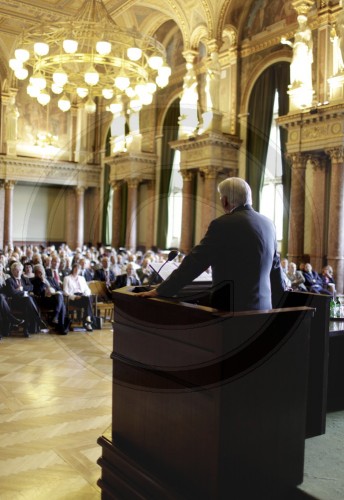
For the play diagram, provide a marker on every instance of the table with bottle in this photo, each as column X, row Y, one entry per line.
column 335, row 395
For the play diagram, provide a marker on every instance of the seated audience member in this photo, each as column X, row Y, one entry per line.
column 3, row 278
column 7, row 319
column 105, row 273
column 313, row 282
column 27, row 270
column 85, row 269
column 130, row 278
column 284, row 267
column 79, row 294
column 18, row 288
column 145, row 271
column 54, row 270
column 327, row 279
column 51, row 296
column 296, row 278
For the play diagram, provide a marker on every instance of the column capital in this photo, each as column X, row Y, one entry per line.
column 115, row 185
column 133, row 183
column 209, row 172
column 318, row 162
column 298, row 160
column 80, row 190
column 9, row 184
column 187, row 175
column 336, row 154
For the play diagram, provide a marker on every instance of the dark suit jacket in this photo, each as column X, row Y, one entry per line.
column 99, row 275
column 121, row 280
column 88, row 274
column 12, row 289
column 241, row 249
column 39, row 286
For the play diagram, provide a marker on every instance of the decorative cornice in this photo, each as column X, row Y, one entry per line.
column 49, row 172
column 208, row 139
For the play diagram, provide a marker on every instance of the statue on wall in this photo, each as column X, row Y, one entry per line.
column 212, row 86
column 301, row 64
column 337, row 38
column 188, row 119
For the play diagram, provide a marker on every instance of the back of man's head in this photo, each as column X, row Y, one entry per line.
column 236, row 190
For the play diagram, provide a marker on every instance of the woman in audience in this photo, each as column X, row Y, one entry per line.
column 79, row 294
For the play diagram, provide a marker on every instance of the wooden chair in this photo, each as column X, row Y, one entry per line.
column 103, row 306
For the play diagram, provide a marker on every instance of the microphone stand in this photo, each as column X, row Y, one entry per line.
column 172, row 255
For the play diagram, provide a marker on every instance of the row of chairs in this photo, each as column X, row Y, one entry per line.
column 102, row 305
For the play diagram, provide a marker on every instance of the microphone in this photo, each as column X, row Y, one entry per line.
column 172, row 255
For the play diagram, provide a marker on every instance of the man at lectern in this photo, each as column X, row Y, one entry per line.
column 240, row 246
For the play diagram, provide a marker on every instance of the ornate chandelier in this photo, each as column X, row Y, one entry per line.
column 90, row 57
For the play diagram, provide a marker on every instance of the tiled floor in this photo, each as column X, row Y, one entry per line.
column 55, row 401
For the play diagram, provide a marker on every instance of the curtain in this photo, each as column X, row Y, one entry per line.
column 106, row 196
column 282, row 81
column 259, row 125
column 170, row 131
column 124, row 204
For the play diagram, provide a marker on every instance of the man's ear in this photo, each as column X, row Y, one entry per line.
column 225, row 204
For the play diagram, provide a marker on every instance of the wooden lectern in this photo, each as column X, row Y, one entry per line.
column 206, row 404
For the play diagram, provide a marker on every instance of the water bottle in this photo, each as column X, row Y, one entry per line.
column 333, row 307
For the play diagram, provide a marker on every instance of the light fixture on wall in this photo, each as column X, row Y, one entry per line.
column 90, row 57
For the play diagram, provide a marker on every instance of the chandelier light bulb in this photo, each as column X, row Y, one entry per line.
column 130, row 92
column 134, row 53
column 43, row 98
column 161, row 81
column 122, row 82
column 56, row 88
column 82, row 92
column 90, row 106
column 135, row 105
column 107, row 93
column 32, row 91
column 103, row 48
column 155, row 62
column 164, row 71
column 41, row 49
column 116, row 107
column 64, row 103
column 22, row 55
column 146, row 99
column 14, row 64
column 70, row 46
column 21, row 73
column 91, row 76
column 38, row 81
column 151, row 87
column 60, row 77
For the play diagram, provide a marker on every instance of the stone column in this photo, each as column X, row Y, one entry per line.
column 79, row 216
column 116, row 213
column 297, row 208
column 150, row 214
column 335, row 252
column 8, row 212
column 316, row 200
column 10, row 114
column 131, row 233
column 209, row 197
column 187, row 212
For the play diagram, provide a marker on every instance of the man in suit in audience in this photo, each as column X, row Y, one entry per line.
column 240, row 247
column 105, row 273
column 19, row 288
column 85, row 269
column 313, row 281
column 130, row 278
column 54, row 271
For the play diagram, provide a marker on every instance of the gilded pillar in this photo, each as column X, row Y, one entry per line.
column 116, row 213
column 209, row 197
column 316, row 204
column 8, row 213
column 297, row 208
column 150, row 214
column 131, row 233
column 335, row 253
column 79, row 216
column 187, row 212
